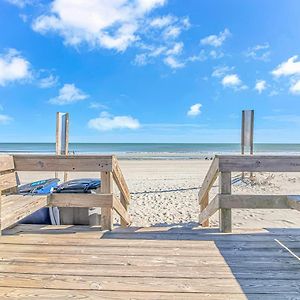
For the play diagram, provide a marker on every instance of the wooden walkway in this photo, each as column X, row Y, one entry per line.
column 148, row 263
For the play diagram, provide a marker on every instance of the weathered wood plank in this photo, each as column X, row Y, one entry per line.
column 125, row 205
column 81, row 200
column 81, row 248
column 30, row 293
column 6, row 163
column 87, row 231
column 120, row 209
column 119, row 180
column 203, row 205
column 216, row 285
column 44, row 294
column 73, row 163
column 225, row 221
column 293, row 202
column 210, row 209
column 8, row 181
column 145, row 271
column 271, row 263
column 259, row 163
column 25, row 206
column 106, row 213
column 254, row 201
column 209, row 179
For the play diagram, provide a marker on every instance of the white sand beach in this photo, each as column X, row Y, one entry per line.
column 164, row 192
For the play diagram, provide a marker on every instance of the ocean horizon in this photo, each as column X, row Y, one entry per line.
column 151, row 150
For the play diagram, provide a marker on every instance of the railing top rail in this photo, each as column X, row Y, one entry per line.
column 259, row 163
column 68, row 163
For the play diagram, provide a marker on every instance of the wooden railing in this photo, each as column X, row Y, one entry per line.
column 223, row 166
column 109, row 172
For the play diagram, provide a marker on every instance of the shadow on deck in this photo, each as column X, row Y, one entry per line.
column 149, row 263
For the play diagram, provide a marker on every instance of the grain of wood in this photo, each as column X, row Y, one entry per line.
column 8, row 181
column 209, row 179
column 81, row 200
column 259, row 163
column 72, row 163
column 203, row 206
column 120, row 209
column 6, row 163
column 106, row 213
column 254, row 201
column 209, row 210
column 225, row 221
column 124, row 223
column 21, row 207
column 119, row 180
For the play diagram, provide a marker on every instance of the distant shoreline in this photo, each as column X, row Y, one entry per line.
column 151, row 151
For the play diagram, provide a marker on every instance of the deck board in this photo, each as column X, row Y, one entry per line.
column 63, row 262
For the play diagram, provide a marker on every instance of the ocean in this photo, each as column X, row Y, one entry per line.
column 151, row 150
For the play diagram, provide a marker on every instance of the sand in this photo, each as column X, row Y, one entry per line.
column 164, row 192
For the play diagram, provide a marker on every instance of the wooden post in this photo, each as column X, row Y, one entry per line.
column 243, row 134
column 62, row 137
column 247, row 133
column 106, row 213
column 68, row 215
column 203, row 205
column 252, row 132
column 225, row 222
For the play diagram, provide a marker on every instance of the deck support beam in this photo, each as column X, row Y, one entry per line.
column 106, row 213
column 225, row 221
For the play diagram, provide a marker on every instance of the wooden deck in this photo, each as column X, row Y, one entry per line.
column 69, row 262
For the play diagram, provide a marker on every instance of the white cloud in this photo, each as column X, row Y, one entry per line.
column 260, row 86
column 106, row 122
column 216, row 54
column 68, row 94
column 199, row 57
column 170, row 55
column 20, row 3
column 259, row 52
column 176, row 50
column 173, row 62
column 288, row 68
column 274, row 93
column 161, row 22
column 5, row 119
column 158, row 51
column 295, row 88
column 97, row 105
column 108, row 24
column 220, row 71
column 13, row 67
column 172, row 32
column 48, row 81
column 194, row 110
column 141, row 59
column 216, row 40
column 231, row 80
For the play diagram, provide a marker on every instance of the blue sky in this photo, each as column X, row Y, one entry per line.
column 149, row 70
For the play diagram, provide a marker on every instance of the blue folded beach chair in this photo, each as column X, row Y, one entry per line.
column 46, row 186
